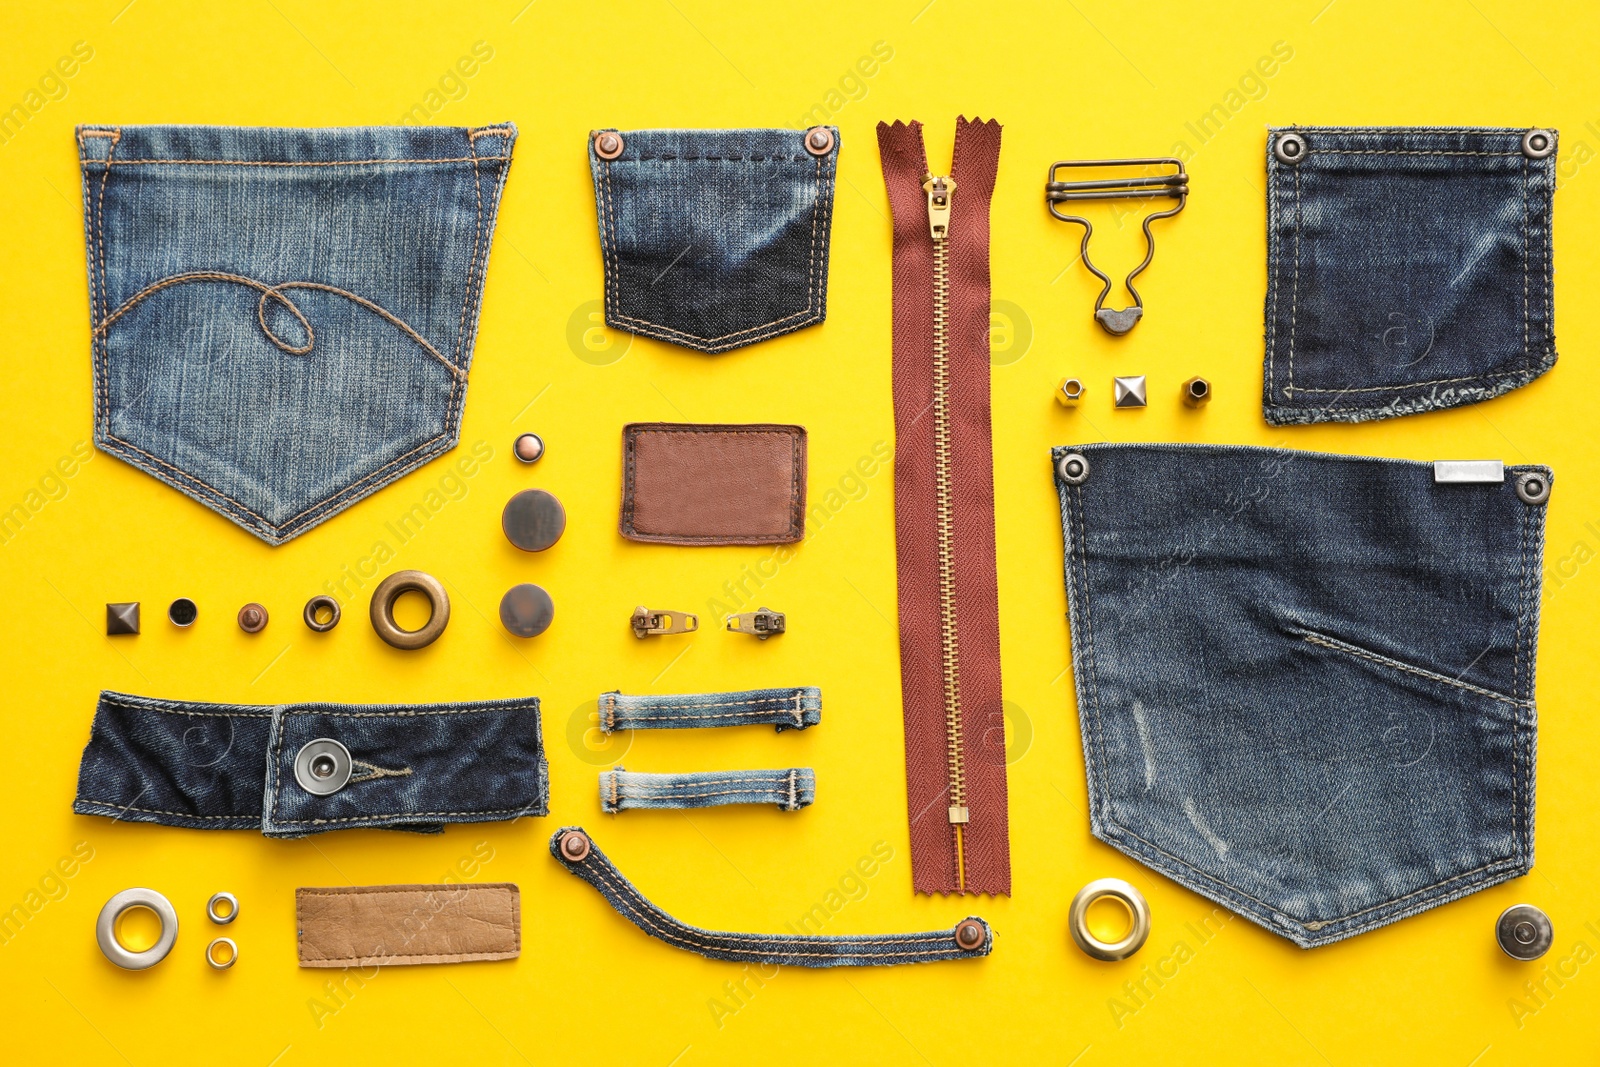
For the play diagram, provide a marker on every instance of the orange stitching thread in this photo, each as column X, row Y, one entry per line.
column 294, row 163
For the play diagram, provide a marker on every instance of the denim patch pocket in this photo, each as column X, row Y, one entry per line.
column 1409, row 269
column 714, row 239
column 1305, row 682
column 283, row 319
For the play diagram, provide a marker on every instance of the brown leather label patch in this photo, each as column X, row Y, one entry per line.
column 692, row 484
column 395, row 925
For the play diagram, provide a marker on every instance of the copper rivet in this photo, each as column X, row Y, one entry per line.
column 529, row 448
column 575, row 846
column 819, row 140
column 608, row 145
column 969, row 935
column 252, row 618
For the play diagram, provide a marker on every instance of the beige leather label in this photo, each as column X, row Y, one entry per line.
column 693, row 484
column 394, row 925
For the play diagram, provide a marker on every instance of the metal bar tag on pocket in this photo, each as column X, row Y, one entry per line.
column 1468, row 470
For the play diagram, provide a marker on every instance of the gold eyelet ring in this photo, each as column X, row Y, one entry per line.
column 390, row 590
column 1138, row 910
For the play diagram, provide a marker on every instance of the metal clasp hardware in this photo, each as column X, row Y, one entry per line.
column 647, row 623
column 763, row 623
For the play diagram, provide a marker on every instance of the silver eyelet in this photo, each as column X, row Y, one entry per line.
column 233, row 908
column 322, row 767
column 105, row 928
column 1290, row 148
column 1138, row 913
column 1537, row 143
column 1073, row 468
column 1533, row 487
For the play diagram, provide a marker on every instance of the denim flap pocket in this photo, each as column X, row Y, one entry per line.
column 714, row 239
column 1409, row 269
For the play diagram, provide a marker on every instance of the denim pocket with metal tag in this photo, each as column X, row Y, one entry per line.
column 1409, row 269
column 1306, row 682
column 714, row 239
column 283, row 319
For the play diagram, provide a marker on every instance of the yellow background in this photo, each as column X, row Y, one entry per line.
column 1074, row 79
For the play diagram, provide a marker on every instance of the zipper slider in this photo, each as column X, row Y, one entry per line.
column 938, row 190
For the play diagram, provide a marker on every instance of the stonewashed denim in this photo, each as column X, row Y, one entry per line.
column 790, row 789
column 1409, row 269
column 802, row 950
column 1305, row 682
column 783, row 709
column 714, row 239
column 283, row 319
column 231, row 766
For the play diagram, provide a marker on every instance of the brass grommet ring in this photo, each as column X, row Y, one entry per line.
column 390, row 590
column 232, row 953
column 315, row 606
column 575, row 846
column 1138, row 911
column 608, row 144
column 819, row 140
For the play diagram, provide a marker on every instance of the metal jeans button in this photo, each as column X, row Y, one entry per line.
column 252, row 618
column 1073, row 468
column 1524, row 932
column 1290, row 148
column 1533, row 487
column 1537, row 144
column 322, row 767
column 819, row 140
column 608, row 144
column 528, row 447
column 526, row 610
column 533, row 520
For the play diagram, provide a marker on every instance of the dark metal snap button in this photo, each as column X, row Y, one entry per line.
column 390, row 590
column 183, row 612
column 608, row 144
column 1533, row 487
column 1537, row 143
column 252, row 618
column 526, row 610
column 819, row 140
column 1290, row 148
column 316, row 607
column 1073, row 468
column 533, row 520
column 322, row 767
column 575, row 846
column 529, row 448
column 1524, row 932
column 122, row 618
column 969, row 935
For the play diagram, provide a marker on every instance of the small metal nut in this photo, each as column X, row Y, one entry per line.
column 322, row 767
column 252, row 618
column 819, row 140
column 528, row 447
column 575, row 846
column 183, row 612
column 220, row 898
column 1524, row 932
column 1196, row 391
column 314, row 609
column 969, row 935
column 105, row 928
column 1073, row 468
column 1290, row 148
column 1533, row 487
column 211, row 953
column 608, row 144
column 390, row 590
column 1069, row 391
column 1537, row 143
column 1138, row 912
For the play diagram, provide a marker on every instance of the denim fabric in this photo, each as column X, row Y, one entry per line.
column 283, row 319
column 805, row 950
column 231, row 766
column 714, row 239
column 784, row 709
column 790, row 789
column 1408, row 269
column 1305, row 682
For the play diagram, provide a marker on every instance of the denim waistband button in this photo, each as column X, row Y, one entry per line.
column 819, row 140
column 252, row 618
column 1290, row 148
column 608, row 144
column 1533, row 487
column 1073, row 468
column 526, row 610
column 533, row 520
column 1524, row 932
column 1537, row 144
column 322, row 767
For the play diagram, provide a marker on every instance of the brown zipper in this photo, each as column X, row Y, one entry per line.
column 944, row 510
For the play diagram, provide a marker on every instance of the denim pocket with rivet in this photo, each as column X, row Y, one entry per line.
column 714, row 239
column 1408, row 268
column 283, row 319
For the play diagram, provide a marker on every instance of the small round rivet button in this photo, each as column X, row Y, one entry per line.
column 1524, row 932
column 322, row 767
column 526, row 610
column 1073, row 468
column 575, row 845
column 183, row 612
column 608, row 144
column 1537, row 144
column 1533, row 487
column 1290, row 148
column 529, row 448
column 252, row 618
column 969, row 935
column 533, row 520
column 819, row 140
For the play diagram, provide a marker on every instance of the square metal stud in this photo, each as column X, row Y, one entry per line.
column 122, row 618
column 1129, row 392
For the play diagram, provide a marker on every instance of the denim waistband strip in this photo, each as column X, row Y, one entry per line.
column 790, row 789
column 232, row 766
column 583, row 857
column 785, row 709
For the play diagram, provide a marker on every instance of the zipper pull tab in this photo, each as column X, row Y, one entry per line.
column 938, row 190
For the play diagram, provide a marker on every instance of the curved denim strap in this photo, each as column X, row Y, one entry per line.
column 583, row 857
column 790, row 789
column 786, row 709
column 231, row 766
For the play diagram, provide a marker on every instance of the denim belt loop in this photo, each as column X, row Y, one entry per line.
column 784, row 709
column 790, row 789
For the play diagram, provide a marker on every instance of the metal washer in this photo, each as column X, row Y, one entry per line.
column 1078, row 919
column 322, row 767
column 105, row 928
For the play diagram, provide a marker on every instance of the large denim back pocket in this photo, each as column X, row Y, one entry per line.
column 283, row 319
column 714, row 239
column 1305, row 682
column 1408, row 269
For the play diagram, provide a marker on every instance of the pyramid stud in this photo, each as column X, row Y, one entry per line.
column 122, row 619
column 1129, row 392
